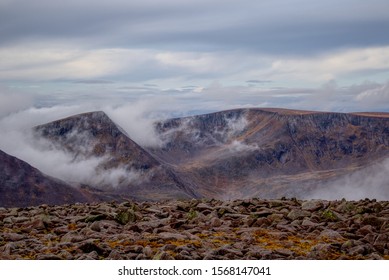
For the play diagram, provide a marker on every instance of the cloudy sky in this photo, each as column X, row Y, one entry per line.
column 195, row 56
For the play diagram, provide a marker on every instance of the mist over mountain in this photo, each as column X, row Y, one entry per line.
column 241, row 153
column 119, row 164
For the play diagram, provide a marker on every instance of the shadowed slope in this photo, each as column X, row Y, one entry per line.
column 22, row 185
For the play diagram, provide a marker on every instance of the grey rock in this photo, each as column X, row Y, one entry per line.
column 18, row 220
column 71, row 237
column 374, row 256
column 48, row 257
column 330, row 234
column 161, row 255
column 358, row 250
column 312, row 205
column 95, row 226
column 215, row 222
column 296, row 214
column 147, row 251
column 13, row 236
column 169, row 247
column 366, row 230
column 94, row 218
column 284, row 252
column 171, row 236
column 9, row 248
column 65, row 255
column 37, row 224
column 381, row 242
column 308, row 223
column 115, row 255
column 202, row 206
column 262, row 213
column 135, row 249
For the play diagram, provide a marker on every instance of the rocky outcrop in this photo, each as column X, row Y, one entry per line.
column 198, row 229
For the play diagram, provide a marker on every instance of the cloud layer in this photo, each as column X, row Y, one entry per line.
column 172, row 44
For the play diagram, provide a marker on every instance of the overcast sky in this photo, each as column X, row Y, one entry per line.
column 195, row 55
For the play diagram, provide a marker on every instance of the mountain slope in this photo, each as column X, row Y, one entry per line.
column 122, row 166
column 271, row 152
column 22, row 185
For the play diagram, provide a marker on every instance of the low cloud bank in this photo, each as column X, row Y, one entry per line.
column 370, row 182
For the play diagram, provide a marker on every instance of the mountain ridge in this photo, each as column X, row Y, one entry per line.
column 231, row 154
column 270, row 143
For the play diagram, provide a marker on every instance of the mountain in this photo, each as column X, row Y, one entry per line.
column 123, row 168
column 271, row 152
column 242, row 153
column 22, row 185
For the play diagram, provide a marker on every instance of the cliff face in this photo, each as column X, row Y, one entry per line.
column 271, row 152
column 22, row 185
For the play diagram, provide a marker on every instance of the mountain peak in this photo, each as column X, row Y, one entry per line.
column 120, row 163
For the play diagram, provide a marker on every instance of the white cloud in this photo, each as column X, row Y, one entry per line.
column 41, row 62
column 203, row 62
column 369, row 182
column 11, row 101
column 332, row 65
column 238, row 146
column 138, row 118
column 45, row 62
column 374, row 97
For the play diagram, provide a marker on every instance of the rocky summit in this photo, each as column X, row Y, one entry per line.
column 198, row 229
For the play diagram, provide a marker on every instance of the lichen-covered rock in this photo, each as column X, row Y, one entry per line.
column 126, row 216
column 312, row 205
column 296, row 214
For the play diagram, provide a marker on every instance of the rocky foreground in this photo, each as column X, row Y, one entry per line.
column 198, row 229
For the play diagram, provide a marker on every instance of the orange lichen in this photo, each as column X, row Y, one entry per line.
column 72, row 226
